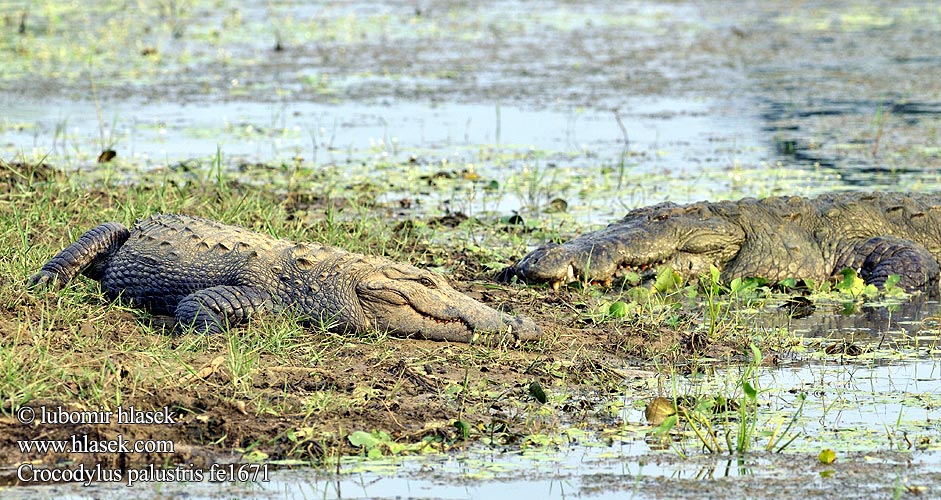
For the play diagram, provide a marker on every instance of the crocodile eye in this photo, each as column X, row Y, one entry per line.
column 426, row 281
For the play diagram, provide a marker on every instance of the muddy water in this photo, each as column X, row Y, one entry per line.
column 650, row 100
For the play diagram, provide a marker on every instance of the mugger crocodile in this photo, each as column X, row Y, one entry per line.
column 211, row 275
column 877, row 234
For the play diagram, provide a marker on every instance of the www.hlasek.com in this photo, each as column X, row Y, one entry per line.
column 81, row 443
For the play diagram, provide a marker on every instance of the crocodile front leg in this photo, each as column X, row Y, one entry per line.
column 89, row 255
column 214, row 309
column 879, row 257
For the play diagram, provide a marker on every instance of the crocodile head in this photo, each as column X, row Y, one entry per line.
column 411, row 302
column 688, row 238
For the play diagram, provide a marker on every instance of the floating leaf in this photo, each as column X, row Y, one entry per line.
column 827, row 456
column 848, row 308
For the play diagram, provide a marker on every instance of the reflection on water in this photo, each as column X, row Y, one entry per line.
column 881, row 323
column 157, row 134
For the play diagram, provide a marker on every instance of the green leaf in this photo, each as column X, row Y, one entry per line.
column 639, row 294
column 618, row 309
column 363, row 439
column 632, row 277
column 811, row 284
column 827, row 456
column 750, row 391
column 535, row 390
column 667, row 279
column 666, row 426
column 851, row 283
column 463, row 427
column 756, row 355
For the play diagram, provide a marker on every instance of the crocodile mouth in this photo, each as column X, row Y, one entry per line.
column 413, row 303
column 637, row 273
column 646, row 272
column 450, row 321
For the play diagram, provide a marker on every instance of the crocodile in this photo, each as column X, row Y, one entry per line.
column 210, row 275
column 876, row 234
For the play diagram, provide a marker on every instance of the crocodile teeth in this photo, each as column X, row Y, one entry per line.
column 571, row 272
column 556, row 284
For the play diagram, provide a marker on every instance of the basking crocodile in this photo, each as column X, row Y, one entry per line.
column 877, row 234
column 210, row 275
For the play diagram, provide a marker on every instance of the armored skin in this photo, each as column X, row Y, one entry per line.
column 211, row 275
column 877, row 234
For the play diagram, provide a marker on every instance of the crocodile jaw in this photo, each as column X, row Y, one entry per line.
column 410, row 302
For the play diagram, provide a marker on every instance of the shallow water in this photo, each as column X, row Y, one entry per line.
column 347, row 132
column 672, row 137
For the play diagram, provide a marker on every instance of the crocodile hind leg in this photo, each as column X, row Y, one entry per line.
column 213, row 309
column 89, row 255
column 878, row 258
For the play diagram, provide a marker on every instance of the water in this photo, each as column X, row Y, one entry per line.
column 669, row 134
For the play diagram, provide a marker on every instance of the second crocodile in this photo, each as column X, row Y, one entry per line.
column 210, row 275
column 876, row 234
